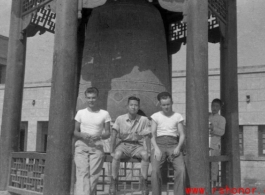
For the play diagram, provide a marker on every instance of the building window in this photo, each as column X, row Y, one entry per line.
column 2, row 74
column 261, row 140
column 42, row 136
column 23, row 134
column 241, row 140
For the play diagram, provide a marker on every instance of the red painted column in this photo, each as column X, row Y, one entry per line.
column 197, row 95
column 57, row 180
column 229, row 94
column 13, row 92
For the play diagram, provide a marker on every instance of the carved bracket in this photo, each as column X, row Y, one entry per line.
column 218, row 8
column 40, row 20
column 39, row 15
column 29, row 6
column 178, row 33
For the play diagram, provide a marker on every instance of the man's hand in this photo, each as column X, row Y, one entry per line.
column 157, row 154
column 112, row 154
column 210, row 127
column 86, row 136
column 176, row 152
column 95, row 137
column 148, row 154
column 89, row 137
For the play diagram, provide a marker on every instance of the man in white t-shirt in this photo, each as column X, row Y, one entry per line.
column 167, row 139
column 89, row 153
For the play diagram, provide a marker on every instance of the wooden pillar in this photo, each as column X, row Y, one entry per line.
column 13, row 92
column 229, row 94
column 57, row 180
column 197, row 94
column 80, row 46
column 170, row 71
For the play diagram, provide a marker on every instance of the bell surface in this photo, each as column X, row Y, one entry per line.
column 125, row 54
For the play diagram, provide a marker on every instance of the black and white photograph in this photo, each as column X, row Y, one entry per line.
column 132, row 97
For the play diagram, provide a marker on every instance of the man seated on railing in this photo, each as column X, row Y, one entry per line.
column 216, row 130
column 167, row 139
column 131, row 129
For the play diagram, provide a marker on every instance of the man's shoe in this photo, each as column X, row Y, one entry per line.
column 145, row 190
column 113, row 186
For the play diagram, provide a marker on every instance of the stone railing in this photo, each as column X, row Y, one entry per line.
column 27, row 174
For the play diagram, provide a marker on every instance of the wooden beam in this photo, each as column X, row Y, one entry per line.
column 80, row 46
column 229, row 94
column 63, row 100
column 13, row 92
column 197, row 95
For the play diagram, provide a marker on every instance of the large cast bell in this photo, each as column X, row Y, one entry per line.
column 125, row 54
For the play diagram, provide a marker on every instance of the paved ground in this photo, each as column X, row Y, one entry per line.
column 136, row 193
column 171, row 193
column 4, row 193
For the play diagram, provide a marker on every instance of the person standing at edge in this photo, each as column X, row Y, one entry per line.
column 89, row 153
column 167, row 139
column 131, row 129
column 216, row 130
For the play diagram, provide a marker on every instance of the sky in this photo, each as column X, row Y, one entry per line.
column 251, row 42
column 39, row 54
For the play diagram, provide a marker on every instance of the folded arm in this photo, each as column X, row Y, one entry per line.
column 106, row 134
column 220, row 129
column 181, row 139
column 78, row 134
column 113, row 141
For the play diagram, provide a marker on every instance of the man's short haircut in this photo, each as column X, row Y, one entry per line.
column 164, row 95
column 134, row 98
column 91, row 90
column 218, row 101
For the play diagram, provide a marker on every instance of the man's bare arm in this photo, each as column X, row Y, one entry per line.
column 77, row 132
column 113, row 141
column 154, row 133
column 106, row 135
column 181, row 135
column 218, row 130
column 157, row 151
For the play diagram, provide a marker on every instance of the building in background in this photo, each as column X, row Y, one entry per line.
column 251, row 99
column 3, row 57
column 251, row 85
column 35, row 108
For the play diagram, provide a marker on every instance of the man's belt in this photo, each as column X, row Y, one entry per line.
column 168, row 136
column 130, row 142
